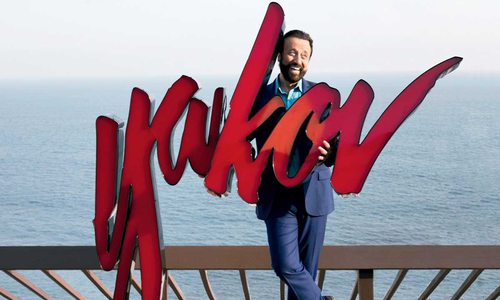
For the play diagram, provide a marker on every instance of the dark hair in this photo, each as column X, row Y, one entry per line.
column 298, row 34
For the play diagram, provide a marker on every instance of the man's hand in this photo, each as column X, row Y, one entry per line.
column 328, row 152
column 325, row 151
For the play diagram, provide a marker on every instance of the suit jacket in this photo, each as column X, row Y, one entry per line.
column 314, row 194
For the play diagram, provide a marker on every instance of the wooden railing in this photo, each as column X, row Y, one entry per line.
column 363, row 259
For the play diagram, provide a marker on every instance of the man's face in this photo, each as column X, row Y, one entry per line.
column 294, row 59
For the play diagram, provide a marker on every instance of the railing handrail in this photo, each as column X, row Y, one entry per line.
column 349, row 257
column 363, row 258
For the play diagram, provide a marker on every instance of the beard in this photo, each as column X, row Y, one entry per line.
column 288, row 75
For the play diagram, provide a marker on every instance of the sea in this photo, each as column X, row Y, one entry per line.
column 437, row 181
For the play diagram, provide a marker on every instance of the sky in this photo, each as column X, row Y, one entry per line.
column 125, row 38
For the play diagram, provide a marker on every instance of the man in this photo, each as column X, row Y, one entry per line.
column 295, row 217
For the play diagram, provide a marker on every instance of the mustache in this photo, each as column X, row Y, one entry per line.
column 287, row 67
column 292, row 65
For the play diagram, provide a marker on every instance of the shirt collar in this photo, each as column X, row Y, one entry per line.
column 278, row 87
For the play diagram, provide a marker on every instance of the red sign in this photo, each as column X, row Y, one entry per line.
column 126, row 204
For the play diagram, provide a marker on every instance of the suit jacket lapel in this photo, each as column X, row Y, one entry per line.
column 306, row 85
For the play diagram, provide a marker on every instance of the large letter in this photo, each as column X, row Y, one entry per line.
column 126, row 206
column 136, row 217
column 355, row 159
column 234, row 149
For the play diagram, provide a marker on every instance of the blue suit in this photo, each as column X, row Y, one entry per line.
column 295, row 216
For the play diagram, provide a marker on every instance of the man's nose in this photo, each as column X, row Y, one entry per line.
column 297, row 59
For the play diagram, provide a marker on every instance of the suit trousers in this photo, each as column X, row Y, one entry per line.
column 295, row 241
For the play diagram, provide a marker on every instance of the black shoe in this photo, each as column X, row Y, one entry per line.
column 328, row 298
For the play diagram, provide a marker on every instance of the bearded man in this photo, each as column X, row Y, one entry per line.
column 296, row 216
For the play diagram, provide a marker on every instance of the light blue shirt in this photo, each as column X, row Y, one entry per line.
column 289, row 99
column 292, row 96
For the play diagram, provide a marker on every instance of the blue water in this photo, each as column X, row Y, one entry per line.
column 436, row 182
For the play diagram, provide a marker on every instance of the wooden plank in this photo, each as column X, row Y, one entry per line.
column 282, row 290
column 395, row 285
column 244, row 284
column 49, row 258
column 434, row 283
column 28, row 284
column 168, row 280
column 337, row 257
column 133, row 280
column 216, row 258
column 175, row 287
column 63, row 284
column 98, row 283
column 466, row 284
column 164, row 284
column 395, row 257
column 495, row 294
column 8, row 295
column 365, row 284
column 321, row 278
column 354, row 293
column 257, row 257
column 206, row 284
column 136, row 284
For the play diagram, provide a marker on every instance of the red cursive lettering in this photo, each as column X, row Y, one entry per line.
column 126, row 204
